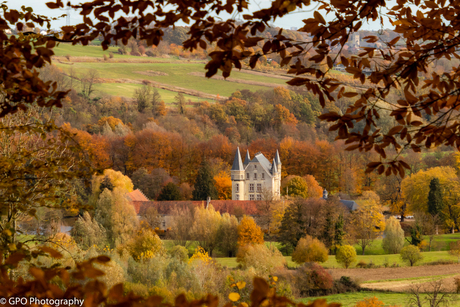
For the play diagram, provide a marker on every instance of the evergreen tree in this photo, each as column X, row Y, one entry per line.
column 339, row 234
column 180, row 102
column 204, row 184
column 169, row 192
column 435, row 204
column 292, row 227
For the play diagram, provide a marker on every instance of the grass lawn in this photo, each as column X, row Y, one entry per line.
column 376, row 259
column 178, row 74
column 128, row 89
column 388, row 298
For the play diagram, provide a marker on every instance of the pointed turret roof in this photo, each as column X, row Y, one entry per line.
column 274, row 169
column 277, row 158
column 237, row 163
column 247, row 159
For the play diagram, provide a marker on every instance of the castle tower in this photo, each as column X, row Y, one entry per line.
column 278, row 161
column 238, row 180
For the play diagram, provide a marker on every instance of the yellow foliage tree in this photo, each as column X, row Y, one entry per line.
column 367, row 223
column 110, row 120
column 118, row 180
column 249, row 232
column 223, row 184
column 416, row 187
column 145, row 245
column 206, row 227
column 310, row 249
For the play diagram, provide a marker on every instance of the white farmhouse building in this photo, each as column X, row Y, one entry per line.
column 257, row 178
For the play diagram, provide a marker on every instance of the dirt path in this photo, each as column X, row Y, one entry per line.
column 397, row 273
column 429, row 271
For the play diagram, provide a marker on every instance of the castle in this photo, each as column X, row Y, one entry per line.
column 255, row 179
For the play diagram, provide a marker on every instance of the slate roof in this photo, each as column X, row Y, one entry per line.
column 247, row 159
column 248, row 207
column 277, row 158
column 136, row 195
column 259, row 157
column 237, row 163
column 274, row 169
column 350, row 204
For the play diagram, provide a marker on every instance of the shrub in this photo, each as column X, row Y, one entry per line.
column 145, row 245
column 262, row 258
column 346, row 255
column 179, row 252
column 370, row 302
column 150, row 53
column 457, row 284
column 361, row 264
column 105, row 57
column 137, row 289
column 111, row 55
column 312, row 279
column 309, row 250
column 411, row 254
column 345, row 284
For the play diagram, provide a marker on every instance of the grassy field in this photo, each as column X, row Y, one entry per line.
column 128, row 89
column 178, row 75
column 428, row 257
column 388, row 298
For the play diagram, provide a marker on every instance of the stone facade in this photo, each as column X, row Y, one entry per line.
column 255, row 179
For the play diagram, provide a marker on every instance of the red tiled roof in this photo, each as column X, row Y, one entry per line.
column 247, row 207
column 136, row 195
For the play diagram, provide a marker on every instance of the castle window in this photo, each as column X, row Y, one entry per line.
column 255, row 166
column 255, row 175
column 251, row 196
column 237, row 187
column 247, row 175
column 259, row 196
column 164, row 224
column 263, row 176
column 259, row 187
column 237, row 196
column 251, row 187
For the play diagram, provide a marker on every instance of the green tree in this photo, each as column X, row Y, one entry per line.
column 204, row 183
column 106, row 183
column 411, row 254
column 393, row 239
column 170, row 192
column 116, row 215
column 292, row 227
column 346, row 255
column 180, row 103
column 87, row 232
column 205, row 227
column 143, row 97
column 227, row 235
column 435, row 203
column 309, row 250
column 297, row 186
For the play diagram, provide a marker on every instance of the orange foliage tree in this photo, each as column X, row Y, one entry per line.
column 223, row 185
column 249, row 232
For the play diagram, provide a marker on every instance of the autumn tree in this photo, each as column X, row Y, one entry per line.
column 205, row 227
column 116, row 215
column 38, row 159
column 297, row 187
column 346, row 255
column 416, row 188
column 204, row 183
column 249, row 232
column 310, row 250
column 151, row 216
column 223, row 185
column 87, row 232
column 411, row 254
column 180, row 103
column 454, row 249
column 182, row 220
column 393, row 239
column 366, row 223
